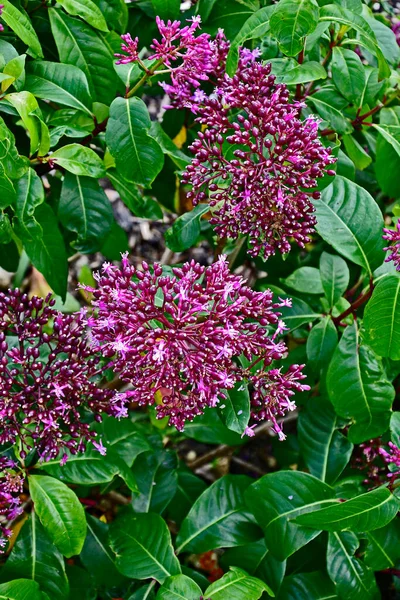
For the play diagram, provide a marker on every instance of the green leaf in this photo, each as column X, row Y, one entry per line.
column 382, row 551
column 167, row 9
column 218, row 518
column 291, row 22
column 115, row 13
column 138, row 156
column 237, row 585
column 189, row 488
column 358, row 388
column 395, row 428
column 353, row 579
column 326, row 451
column 235, row 409
column 20, row 23
column 30, row 194
column 179, row 587
column 306, row 280
column 35, row 557
column 356, row 152
column 47, row 253
column 307, row 586
column 79, row 160
column 96, row 555
column 367, row 512
column 186, row 229
column 80, row 45
column 387, row 159
column 123, row 438
column 16, row 69
column 304, row 73
column 143, row 547
column 155, row 474
column 386, row 40
column 141, row 206
column 298, row 313
column 323, row 101
column 382, row 318
column 28, row 109
column 85, row 209
column 391, row 133
column 277, row 499
column 180, row 159
column 349, row 219
column 348, row 73
column 335, row 277
column 60, row 513
column 13, row 164
column 256, row 26
column 208, row 428
column 339, row 14
column 20, row 589
column 86, row 10
column 321, row 344
column 8, row 194
column 63, row 84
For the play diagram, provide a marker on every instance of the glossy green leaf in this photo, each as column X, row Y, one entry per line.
column 85, row 209
column 358, row 388
column 155, row 474
column 298, row 313
column 115, row 13
column 29, row 195
column 20, row 589
column 235, row 409
column 277, row 499
column 97, row 556
column 218, row 518
column 186, row 229
column 8, row 194
column 367, row 512
column 335, row 277
column 143, row 547
column 35, row 557
column 308, row 586
column 256, row 26
column 330, row 108
column 306, row 280
column 208, row 427
column 348, row 73
column 16, row 69
column 291, row 22
column 86, row 10
column 382, row 551
column 356, row 152
column 14, row 165
column 123, row 438
column 60, row 513
column 63, row 84
column 321, row 344
column 189, row 488
column 353, row 579
column 138, row 156
column 20, row 23
column 237, row 585
column 304, row 73
column 382, row 318
column 27, row 107
column 349, row 219
column 79, row 160
column 80, row 45
column 179, row 158
column 179, row 587
column 387, row 160
column 47, row 253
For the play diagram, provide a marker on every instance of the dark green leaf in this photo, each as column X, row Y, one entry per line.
column 143, row 547
column 237, row 585
column 321, row 344
column 138, row 156
column 277, row 499
column 387, row 162
column 85, row 209
column 180, row 159
column 256, row 26
column 304, row 73
column 358, row 388
column 382, row 551
column 349, row 219
column 348, row 73
column 30, row 194
column 60, row 513
column 218, row 518
column 208, row 428
column 35, row 557
column 335, row 277
column 307, row 586
column 123, row 438
column 20, row 23
column 86, row 10
column 179, row 587
column 235, row 409
column 324, row 101
column 115, row 13
column 186, row 230
column 188, row 490
column 140, row 205
column 155, row 474
column 20, row 589
column 382, row 318
column 291, row 22
column 356, row 152
column 306, row 280
column 79, row 160
column 14, row 165
column 167, row 9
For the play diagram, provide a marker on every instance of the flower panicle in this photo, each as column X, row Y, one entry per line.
column 393, row 236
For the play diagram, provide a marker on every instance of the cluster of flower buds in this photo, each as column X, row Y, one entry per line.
column 1, row 10
column 393, row 236
column 178, row 339
column 379, row 461
column 256, row 159
column 11, row 485
column 48, row 376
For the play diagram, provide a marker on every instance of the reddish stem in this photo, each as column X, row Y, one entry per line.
column 362, row 299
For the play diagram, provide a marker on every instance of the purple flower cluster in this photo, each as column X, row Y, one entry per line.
column 11, row 485
column 256, row 159
column 177, row 339
column 393, row 236
column 375, row 459
column 129, row 49
column 47, row 378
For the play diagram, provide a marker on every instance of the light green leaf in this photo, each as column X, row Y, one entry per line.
column 306, row 280
column 138, row 156
column 7, row 191
column 179, row 587
column 356, row 152
column 185, row 231
column 382, row 318
column 60, row 513
column 143, row 547
column 304, row 73
column 28, row 109
column 237, row 585
column 15, row 68
column 86, row 10
column 79, row 160
column 20, row 589
column 291, row 22
column 20, row 23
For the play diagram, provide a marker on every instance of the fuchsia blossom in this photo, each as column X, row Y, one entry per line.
column 256, row 160
column 393, row 236
column 379, row 460
column 178, row 339
column 47, row 378
column 11, row 486
column 129, row 48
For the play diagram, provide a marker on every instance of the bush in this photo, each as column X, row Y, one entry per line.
column 217, row 421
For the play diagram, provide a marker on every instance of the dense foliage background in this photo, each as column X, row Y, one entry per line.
column 91, row 164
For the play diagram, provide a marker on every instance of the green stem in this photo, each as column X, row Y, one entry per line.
column 149, row 73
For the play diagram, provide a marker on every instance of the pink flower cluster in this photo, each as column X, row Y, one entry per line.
column 1, row 10
column 11, row 486
column 376, row 458
column 393, row 236
column 256, row 160
column 178, row 339
column 48, row 378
